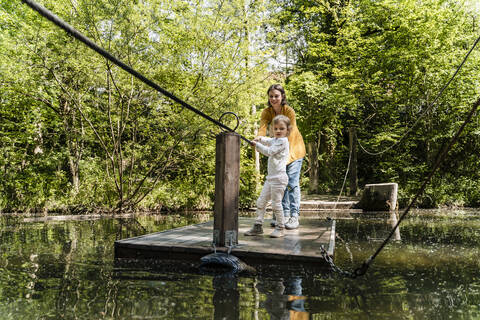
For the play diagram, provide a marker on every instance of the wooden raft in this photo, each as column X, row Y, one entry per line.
column 300, row 246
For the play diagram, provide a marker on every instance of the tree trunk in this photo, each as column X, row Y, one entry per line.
column 38, row 139
column 314, row 167
column 353, row 161
column 73, row 138
column 323, row 168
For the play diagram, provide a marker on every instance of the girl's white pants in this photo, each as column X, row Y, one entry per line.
column 272, row 190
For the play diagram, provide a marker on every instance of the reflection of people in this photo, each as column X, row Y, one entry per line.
column 277, row 151
column 277, row 104
column 295, row 300
column 276, row 302
column 284, row 299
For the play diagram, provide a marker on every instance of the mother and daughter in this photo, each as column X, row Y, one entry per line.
column 285, row 152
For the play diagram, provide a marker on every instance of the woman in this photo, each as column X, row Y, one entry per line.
column 277, row 104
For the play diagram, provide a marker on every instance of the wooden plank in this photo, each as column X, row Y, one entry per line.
column 192, row 242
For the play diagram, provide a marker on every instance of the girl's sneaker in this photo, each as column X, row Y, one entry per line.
column 277, row 233
column 256, row 230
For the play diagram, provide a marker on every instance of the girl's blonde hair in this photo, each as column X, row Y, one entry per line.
column 284, row 119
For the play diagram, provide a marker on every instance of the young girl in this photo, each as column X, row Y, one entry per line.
column 277, row 150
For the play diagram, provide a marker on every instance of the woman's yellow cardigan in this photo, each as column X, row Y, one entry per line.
column 295, row 139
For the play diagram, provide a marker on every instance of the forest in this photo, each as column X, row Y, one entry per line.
column 79, row 134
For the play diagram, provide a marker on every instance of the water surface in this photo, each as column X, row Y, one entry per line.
column 66, row 270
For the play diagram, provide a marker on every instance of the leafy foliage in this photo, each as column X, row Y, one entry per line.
column 379, row 67
column 92, row 135
column 78, row 132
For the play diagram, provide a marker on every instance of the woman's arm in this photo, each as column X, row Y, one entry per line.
column 264, row 121
column 290, row 113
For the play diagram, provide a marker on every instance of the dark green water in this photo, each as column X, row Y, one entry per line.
column 66, row 270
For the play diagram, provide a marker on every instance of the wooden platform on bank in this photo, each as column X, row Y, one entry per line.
column 300, row 246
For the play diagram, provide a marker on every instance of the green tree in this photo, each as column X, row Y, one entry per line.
column 396, row 57
column 379, row 66
column 119, row 144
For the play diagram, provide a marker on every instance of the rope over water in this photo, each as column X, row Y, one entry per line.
column 89, row 43
column 360, row 271
column 440, row 157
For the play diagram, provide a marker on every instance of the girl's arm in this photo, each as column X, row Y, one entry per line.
column 276, row 147
column 265, row 140
column 262, row 140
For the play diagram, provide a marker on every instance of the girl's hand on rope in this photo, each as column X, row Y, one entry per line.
column 253, row 143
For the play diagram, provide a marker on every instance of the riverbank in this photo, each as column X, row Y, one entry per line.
column 310, row 202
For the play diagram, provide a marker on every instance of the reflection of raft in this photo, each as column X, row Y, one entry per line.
column 300, row 246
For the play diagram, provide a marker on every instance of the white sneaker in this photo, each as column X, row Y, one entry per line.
column 277, row 233
column 292, row 223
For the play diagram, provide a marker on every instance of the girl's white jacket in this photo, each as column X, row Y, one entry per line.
column 276, row 149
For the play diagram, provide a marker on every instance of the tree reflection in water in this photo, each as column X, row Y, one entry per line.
column 66, row 269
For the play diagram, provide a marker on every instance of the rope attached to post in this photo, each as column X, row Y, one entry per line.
column 89, row 43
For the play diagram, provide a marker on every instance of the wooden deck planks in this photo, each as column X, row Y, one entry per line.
column 191, row 242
